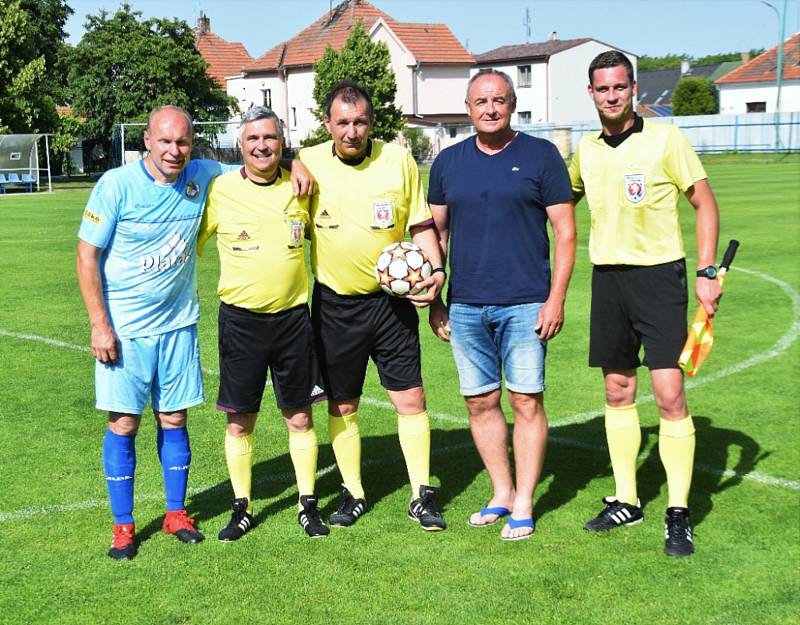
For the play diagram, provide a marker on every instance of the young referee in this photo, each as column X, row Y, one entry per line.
column 632, row 174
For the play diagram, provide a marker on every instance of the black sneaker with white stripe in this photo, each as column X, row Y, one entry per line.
column 678, row 538
column 349, row 510
column 615, row 513
column 310, row 519
column 240, row 523
column 425, row 511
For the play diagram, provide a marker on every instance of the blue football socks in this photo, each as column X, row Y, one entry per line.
column 119, row 464
column 175, row 456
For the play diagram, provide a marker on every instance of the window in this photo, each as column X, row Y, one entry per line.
column 523, row 76
column 294, row 117
column 266, row 98
column 453, row 132
column 524, row 118
column 756, row 107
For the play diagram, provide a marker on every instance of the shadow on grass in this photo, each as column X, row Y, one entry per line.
column 571, row 463
column 711, row 476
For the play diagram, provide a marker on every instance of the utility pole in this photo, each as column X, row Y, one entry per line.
column 779, row 78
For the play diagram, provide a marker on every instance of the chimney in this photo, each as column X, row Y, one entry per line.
column 685, row 67
column 203, row 24
column 745, row 57
column 553, row 36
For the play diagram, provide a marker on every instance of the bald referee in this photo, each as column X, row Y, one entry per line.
column 369, row 196
column 632, row 174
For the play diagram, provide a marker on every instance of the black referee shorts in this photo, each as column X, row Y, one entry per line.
column 635, row 306
column 251, row 344
column 350, row 329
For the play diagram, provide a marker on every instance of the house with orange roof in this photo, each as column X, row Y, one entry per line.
column 430, row 65
column 752, row 87
column 224, row 58
column 549, row 77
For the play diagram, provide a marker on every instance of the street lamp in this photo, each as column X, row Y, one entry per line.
column 779, row 79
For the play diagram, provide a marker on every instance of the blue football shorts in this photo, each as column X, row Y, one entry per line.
column 164, row 368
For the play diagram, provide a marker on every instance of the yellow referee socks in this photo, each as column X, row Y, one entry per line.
column 346, row 443
column 414, row 432
column 239, row 455
column 676, row 447
column 624, row 438
column 303, row 451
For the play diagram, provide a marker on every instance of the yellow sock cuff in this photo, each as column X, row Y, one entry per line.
column 303, row 440
column 345, row 426
column 238, row 445
column 677, row 429
column 412, row 424
column 621, row 417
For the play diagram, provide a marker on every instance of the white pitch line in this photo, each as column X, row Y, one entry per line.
column 780, row 346
column 287, row 476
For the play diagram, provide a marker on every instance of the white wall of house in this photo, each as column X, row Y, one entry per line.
column 735, row 98
column 557, row 91
column 531, row 99
column 300, row 121
column 402, row 62
column 441, row 89
column 568, row 78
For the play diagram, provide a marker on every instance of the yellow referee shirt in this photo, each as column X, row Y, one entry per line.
column 632, row 191
column 259, row 232
column 360, row 209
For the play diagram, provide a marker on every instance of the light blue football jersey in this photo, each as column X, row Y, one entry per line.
column 148, row 231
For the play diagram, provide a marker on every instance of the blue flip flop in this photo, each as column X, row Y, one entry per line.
column 500, row 511
column 516, row 524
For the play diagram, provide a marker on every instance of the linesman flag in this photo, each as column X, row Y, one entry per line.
column 701, row 333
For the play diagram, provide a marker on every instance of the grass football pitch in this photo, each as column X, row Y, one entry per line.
column 55, row 526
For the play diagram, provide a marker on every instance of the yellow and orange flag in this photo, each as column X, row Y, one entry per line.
column 701, row 332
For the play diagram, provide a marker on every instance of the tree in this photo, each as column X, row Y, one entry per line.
column 70, row 130
column 31, row 36
column 417, row 142
column 695, row 96
column 368, row 63
column 124, row 67
column 647, row 63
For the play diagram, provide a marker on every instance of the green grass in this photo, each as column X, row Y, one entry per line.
column 55, row 525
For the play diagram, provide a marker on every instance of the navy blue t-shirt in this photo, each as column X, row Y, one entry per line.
column 499, row 250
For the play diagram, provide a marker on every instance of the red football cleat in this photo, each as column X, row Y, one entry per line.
column 123, row 545
column 179, row 522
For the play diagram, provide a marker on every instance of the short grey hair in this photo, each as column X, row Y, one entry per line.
column 255, row 113
column 493, row 72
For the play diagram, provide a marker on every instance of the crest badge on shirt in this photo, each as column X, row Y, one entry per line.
column 382, row 215
column 192, row 189
column 295, row 233
column 634, row 188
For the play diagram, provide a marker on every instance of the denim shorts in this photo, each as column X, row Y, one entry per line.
column 488, row 341
column 164, row 367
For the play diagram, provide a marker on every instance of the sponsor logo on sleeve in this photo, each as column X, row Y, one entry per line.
column 90, row 216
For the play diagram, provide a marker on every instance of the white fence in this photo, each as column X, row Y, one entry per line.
column 750, row 132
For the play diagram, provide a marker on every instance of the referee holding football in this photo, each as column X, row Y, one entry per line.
column 631, row 174
column 263, row 315
column 370, row 194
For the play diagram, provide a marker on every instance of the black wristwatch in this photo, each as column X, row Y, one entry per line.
column 709, row 272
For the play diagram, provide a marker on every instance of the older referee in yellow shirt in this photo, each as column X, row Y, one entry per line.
column 264, row 322
column 369, row 195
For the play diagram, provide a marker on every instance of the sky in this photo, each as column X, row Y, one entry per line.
column 652, row 27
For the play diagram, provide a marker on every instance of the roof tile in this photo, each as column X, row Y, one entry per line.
column 432, row 43
column 543, row 50
column 764, row 68
column 224, row 58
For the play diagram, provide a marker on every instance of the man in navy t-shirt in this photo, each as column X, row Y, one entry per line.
column 491, row 196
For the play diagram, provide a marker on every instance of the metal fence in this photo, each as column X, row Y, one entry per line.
column 709, row 134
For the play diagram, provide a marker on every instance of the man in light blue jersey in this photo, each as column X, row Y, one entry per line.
column 136, row 271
